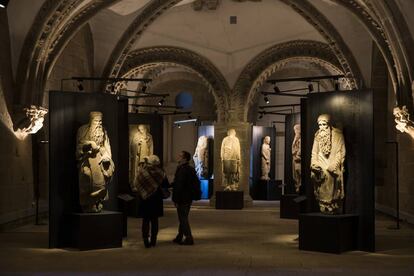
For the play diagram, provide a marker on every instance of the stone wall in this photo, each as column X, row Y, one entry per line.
column 16, row 173
column 16, row 191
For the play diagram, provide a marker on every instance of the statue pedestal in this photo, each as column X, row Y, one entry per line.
column 266, row 190
column 96, row 230
column 289, row 209
column 229, row 200
column 328, row 233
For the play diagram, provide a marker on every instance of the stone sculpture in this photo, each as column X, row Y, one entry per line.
column 96, row 167
column 201, row 157
column 266, row 155
column 230, row 158
column 327, row 166
column 402, row 120
column 296, row 158
column 141, row 146
column 32, row 122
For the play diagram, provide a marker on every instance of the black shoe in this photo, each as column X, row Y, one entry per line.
column 153, row 241
column 147, row 243
column 187, row 241
column 178, row 239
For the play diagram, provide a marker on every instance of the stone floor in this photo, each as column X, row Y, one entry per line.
column 231, row 242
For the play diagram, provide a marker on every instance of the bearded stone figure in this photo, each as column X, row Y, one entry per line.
column 141, row 146
column 230, row 158
column 201, row 157
column 96, row 167
column 266, row 155
column 296, row 158
column 327, row 166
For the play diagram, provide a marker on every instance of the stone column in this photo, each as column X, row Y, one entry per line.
column 243, row 132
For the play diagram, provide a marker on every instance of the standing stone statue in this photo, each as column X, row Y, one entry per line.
column 201, row 157
column 327, row 166
column 296, row 158
column 96, row 167
column 141, row 146
column 266, row 155
column 230, row 158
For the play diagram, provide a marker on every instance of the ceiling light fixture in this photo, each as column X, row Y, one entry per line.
column 276, row 89
column 266, row 99
column 161, row 102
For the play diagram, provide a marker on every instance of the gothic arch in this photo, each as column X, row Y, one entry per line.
column 218, row 85
column 260, row 67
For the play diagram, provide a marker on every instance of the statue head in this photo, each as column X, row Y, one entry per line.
column 231, row 132
column 95, row 119
column 266, row 140
column 202, row 141
column 296, row 129
column 323, row 121
column 142, row 129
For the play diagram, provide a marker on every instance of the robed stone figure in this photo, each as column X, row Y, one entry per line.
column 266, row 154
column 327, row 166
column 201, row 157
column 95, row 163
column 296, row 158
column 230, row 158
column 141, row 146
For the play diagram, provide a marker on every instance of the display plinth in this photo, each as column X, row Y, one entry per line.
column 229, row 200
column 289, row 208
column 96, row 230
column 328, row 233
column 133, row 208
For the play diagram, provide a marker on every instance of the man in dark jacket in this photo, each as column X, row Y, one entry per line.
column 184, row 179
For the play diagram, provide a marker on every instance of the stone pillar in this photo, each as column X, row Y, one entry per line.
column 243, row 132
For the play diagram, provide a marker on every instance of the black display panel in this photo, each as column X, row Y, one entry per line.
column 290, row 121
column 351, row 111
column 67, row 112
column 257, row 189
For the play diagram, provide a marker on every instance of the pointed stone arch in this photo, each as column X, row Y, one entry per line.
column 260, row 67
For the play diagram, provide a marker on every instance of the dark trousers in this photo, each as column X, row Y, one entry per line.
column 184, row 228
column 148, row 223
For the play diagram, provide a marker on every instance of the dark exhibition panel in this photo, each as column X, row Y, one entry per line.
column 154, row 123
column 67, row 112
column 207, row 184
column 263, row 189
column 352, row 112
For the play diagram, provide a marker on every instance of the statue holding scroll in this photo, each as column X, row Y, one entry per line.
column 201, row 157
column 230, row 158
column 296, row 158
column 266, row 155
column 141, row 146
column 96, row 167
column 327, row 166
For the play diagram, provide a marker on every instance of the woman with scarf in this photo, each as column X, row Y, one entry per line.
column 150, row 180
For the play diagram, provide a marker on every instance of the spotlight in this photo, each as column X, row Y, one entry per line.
column 266, row 99
column 161, row 102
column 144, row 88
column 310, row 87
column 3, row 3
column 178, row 125
column 80, row 85
column 276, row 89
column 261, row 116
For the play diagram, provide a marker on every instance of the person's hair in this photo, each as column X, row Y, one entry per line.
column 186, row 155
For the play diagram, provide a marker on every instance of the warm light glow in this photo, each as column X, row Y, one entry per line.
column 402, row 120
